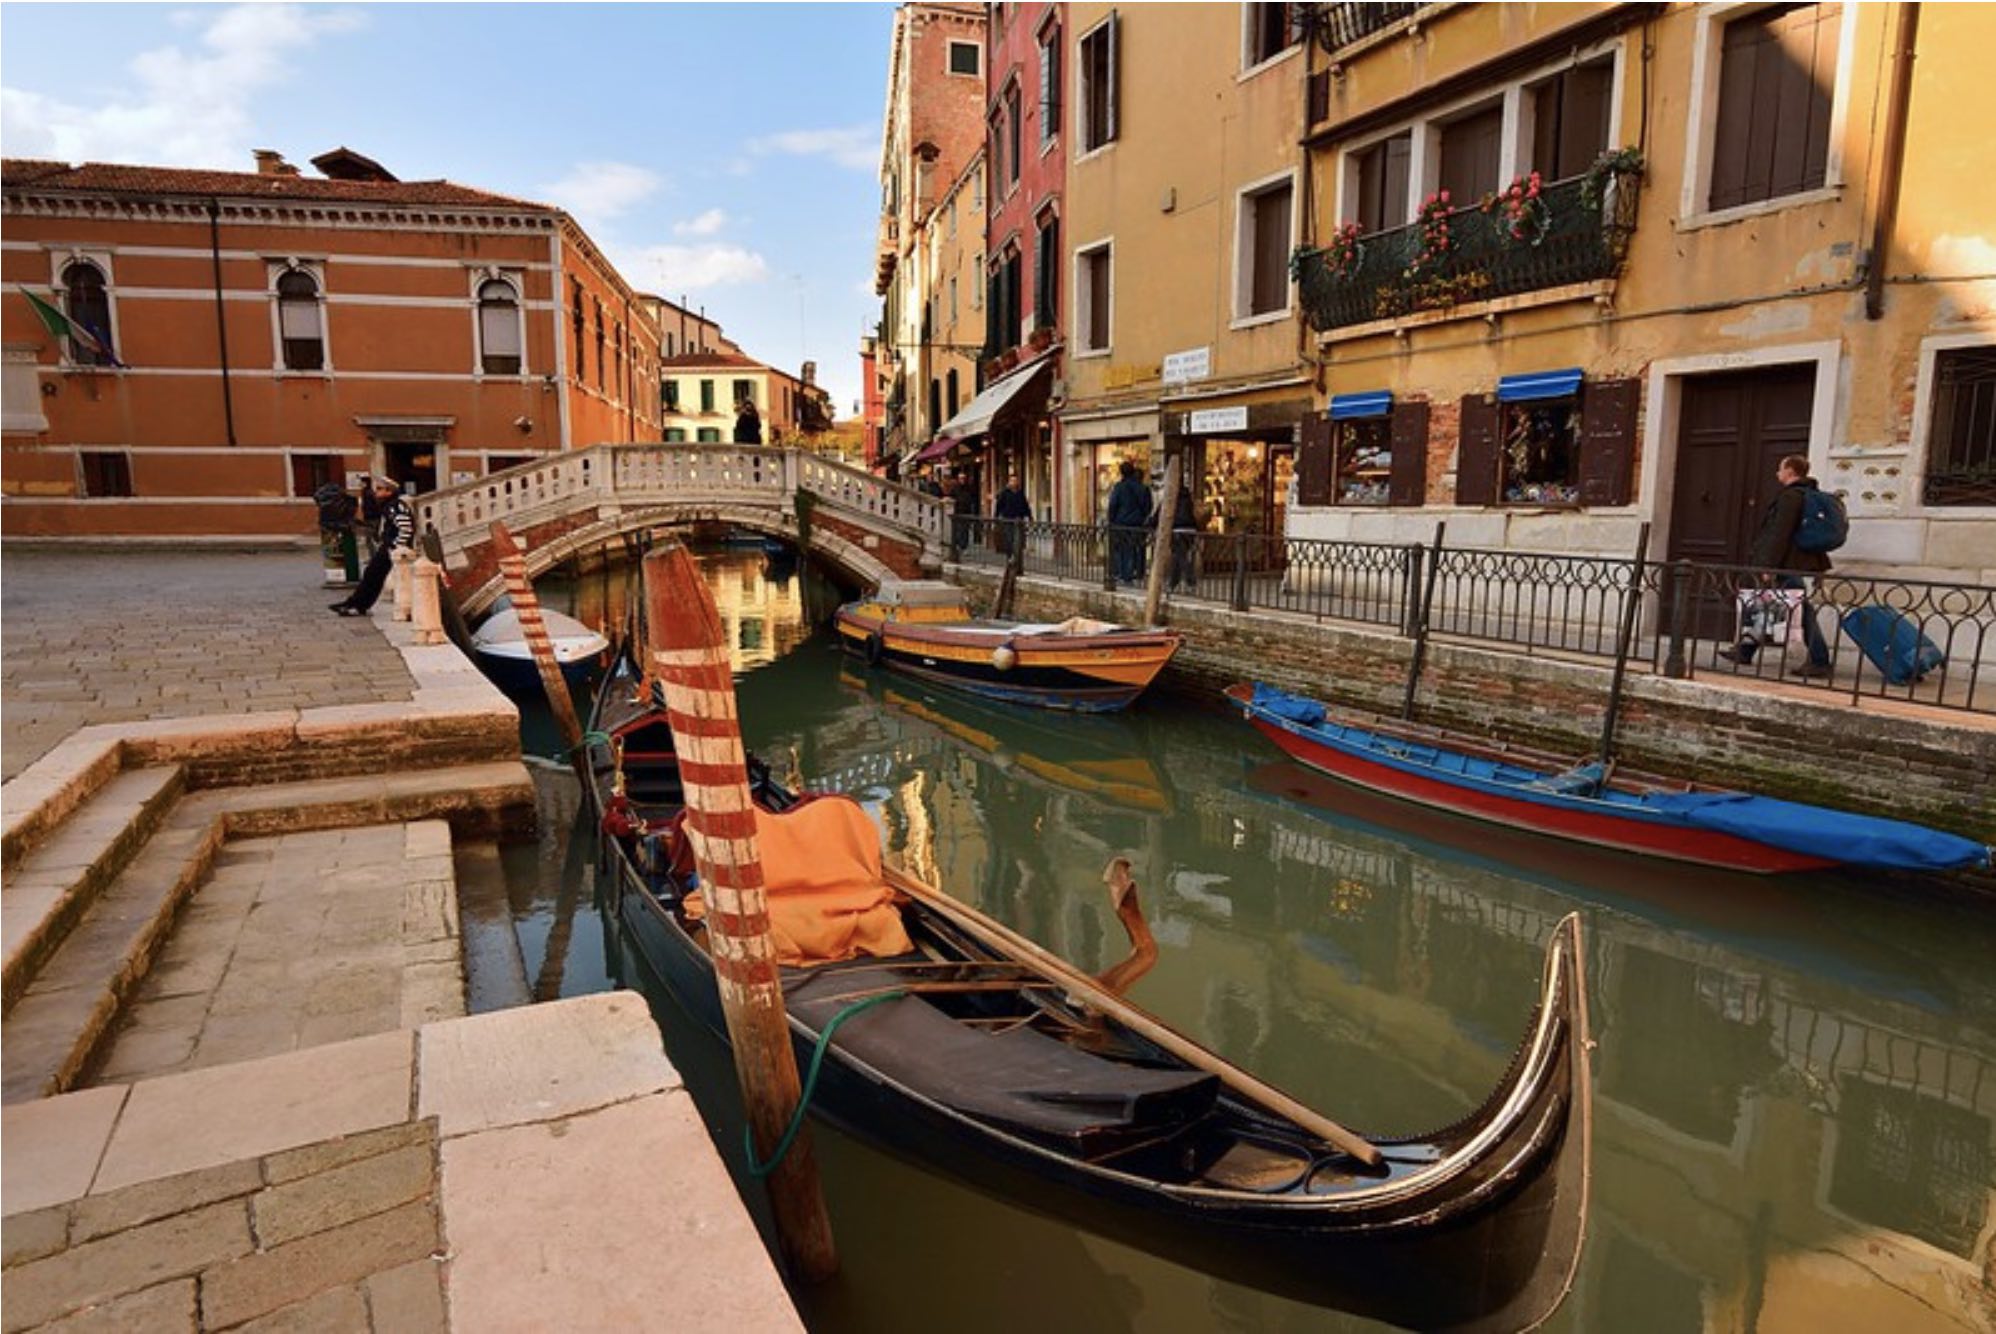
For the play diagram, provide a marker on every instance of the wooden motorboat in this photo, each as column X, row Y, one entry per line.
column 505, row 658
column 982, row 1057
column 1590, row 803
column 923, row 627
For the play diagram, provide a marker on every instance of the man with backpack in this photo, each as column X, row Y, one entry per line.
column 1803, row 524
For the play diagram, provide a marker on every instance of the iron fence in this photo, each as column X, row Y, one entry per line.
column 1918, row 640
column 1337, row 26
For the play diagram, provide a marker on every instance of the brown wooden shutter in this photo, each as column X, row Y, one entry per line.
column 1608, row 440
column 1469, row 156
column 1407, row 484
column 1476, row 457
column 1319, row 96
column 1313, row 462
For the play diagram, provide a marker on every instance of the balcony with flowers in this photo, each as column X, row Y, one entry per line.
column 1531, row 236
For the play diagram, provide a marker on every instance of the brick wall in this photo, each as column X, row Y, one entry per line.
column 1917, row 767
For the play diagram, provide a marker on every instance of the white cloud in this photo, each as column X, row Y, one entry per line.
column 187, row 106
column 686, row 268
column 707, row 224
column 596, row 191
column 856, row 146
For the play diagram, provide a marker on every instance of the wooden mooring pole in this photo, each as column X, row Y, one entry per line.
column 1160, row 547
column 689, row 652
column 527, row 606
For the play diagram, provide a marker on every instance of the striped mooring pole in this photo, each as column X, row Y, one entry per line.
column 689, row 653
column 527, row 606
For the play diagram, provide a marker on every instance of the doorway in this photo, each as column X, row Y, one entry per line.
column 1734, row 427
column 412, row 464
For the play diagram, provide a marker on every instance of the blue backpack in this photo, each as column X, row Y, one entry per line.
column 1824, row 524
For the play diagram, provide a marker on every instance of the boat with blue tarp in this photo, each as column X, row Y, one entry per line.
column 1592, row 803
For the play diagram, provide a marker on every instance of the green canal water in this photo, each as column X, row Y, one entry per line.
column 1795, row 1108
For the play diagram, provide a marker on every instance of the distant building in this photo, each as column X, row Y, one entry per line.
column 264, row 333
column 703, row 393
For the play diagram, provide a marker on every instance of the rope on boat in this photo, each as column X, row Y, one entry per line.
column 590, row 739
column 760, row 1170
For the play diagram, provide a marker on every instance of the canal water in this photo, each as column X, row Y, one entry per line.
column 1795, row 1109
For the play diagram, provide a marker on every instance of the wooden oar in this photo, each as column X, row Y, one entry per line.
column 1088, row 990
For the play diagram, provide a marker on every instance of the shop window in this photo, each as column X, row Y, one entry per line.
column 1049, row 84
column 1570, row 119
column 1539, row 463
column 1094, row 295
column 498, row 328
column 309, row 472
column 87, row 302
column 106, row 473
column 1575, row 446
column 1098, row 86
column 300, row 321
column 1383, row 173
column 710, row 435
column 1961, row 440
column 1470, row 147
column 966, row 58
column 1263, row 259
column 1363, row 461
column 1269, row 33
column 1777, row 80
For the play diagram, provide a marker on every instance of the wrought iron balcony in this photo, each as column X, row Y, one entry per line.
column 1338, row 26
column 1576, row 234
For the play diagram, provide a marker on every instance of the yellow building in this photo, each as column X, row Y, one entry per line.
column 949, row 259
column 1678, row 242
column 1181, row 212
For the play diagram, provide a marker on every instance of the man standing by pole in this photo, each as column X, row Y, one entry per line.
column 398, row 532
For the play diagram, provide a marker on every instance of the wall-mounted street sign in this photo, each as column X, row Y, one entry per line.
column 1192, row 364
column 1207, row 421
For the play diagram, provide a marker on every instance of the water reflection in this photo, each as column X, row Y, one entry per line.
column 1796, row 1115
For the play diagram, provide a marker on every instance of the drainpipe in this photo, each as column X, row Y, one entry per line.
column 1892, row 161
column 221, row 319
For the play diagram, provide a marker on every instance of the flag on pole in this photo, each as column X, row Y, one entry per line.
column 79, row 334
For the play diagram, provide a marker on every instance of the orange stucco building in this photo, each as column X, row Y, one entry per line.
column 270, row 331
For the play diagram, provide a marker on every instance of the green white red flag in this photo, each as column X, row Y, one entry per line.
column 79, row 334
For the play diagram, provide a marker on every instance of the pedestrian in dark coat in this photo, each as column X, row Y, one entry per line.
column 1013, row 509
column 1774, row 549
column 1184, row 536
column 1129, row 511
column 748, row 423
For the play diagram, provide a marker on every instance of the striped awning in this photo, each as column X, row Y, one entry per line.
column 1539, row 384
column 1350, row 407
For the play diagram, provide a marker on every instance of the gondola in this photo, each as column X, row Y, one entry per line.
column 1589, row 803
column 507, row 661
column 1025, row 1079
column 923, row 628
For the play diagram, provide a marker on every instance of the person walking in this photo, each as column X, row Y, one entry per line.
column 1129, row 513
column 1011, row 510
column 1184, row 535
column 398, row 532
column 1774, row 548
column 748, row 423
column 963, row 506
column 927, row 484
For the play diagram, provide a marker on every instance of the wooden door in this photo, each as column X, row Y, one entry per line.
column 1733, row 430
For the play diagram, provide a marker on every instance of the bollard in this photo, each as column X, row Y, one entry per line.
column 404, row 560
column 428, row 609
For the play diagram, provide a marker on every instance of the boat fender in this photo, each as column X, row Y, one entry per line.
column 876, row 647
column 1004, row 657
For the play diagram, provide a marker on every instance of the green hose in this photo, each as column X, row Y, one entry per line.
column 760, row 1170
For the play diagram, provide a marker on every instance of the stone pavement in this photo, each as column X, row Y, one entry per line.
column 101, row 636
column 299, row 940
column 531, row 1169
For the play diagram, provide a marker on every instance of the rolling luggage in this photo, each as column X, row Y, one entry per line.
column 1893, row 642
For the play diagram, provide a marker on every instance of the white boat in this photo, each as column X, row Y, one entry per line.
column 504, row 656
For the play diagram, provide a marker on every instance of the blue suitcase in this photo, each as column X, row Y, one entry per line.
column 1893, row 642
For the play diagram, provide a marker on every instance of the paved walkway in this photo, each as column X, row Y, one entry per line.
column 299, row 940
column 98, row 637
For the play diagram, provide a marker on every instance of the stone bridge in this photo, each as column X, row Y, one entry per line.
column 574, row 502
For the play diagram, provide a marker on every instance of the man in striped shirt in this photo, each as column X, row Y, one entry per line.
column 398, row 531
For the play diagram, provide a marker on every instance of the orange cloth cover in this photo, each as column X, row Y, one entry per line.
column 821, row 866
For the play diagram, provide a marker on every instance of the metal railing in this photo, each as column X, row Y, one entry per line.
column 1338, row 26
column 1687, row 616
column 1572, row 235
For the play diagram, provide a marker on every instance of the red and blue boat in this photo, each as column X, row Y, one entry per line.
column 1592, row 803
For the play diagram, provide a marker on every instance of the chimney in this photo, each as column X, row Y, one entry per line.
column 270, row 162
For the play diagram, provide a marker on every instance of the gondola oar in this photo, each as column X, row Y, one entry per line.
column 1092, row 993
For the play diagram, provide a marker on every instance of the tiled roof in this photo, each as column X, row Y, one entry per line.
column 115, row 178
column 691, row 360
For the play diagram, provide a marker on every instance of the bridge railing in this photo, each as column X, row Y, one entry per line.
column 850, row 488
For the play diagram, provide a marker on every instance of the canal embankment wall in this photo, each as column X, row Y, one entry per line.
column 1883, row 757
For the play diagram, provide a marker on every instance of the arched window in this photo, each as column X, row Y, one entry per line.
column 498, row 327
column 299, row 322
column 89, row 307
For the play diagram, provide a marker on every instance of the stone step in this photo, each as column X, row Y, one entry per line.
column 52, row 1032
column 62, row 875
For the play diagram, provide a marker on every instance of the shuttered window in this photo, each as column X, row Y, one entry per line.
column 1014, row 134
column 1408, row 482
column 1382, row 183
column 498, row 328
column 88, row 304
column 1270, row 33
column 1608, row 440
column 1469, row 156
column 1314, row 465
column 1046, row 274
column 1559, row 451
column 106, row 473
column 1570, row 119
column 298, row 321
column 1092, row 318
column 1476, row 455
column 1264, row 261
column 1777, row 76
column 1049, row 84
column 1098, row 86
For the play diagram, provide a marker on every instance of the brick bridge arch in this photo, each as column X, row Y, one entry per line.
column 562, row 506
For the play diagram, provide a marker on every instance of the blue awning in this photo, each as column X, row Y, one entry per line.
column 1539, row 384
column 1350, row 407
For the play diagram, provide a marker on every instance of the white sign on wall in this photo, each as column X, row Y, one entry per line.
column 1206, row 421
column 1183, row 367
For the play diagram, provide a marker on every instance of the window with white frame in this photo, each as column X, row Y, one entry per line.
column 86, row 299
column 499, row 332
column 1269, row 31
column 1777, row 82
column 1569, row 115
column 966, row 58
column 1097, row 85
column 1261, row 255
column 1961, row 427
column 1093, row 295
column 301, row 327
column 1380, row 176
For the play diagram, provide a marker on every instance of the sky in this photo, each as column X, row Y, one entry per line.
column 724, row 153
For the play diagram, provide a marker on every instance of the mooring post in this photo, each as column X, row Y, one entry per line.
column 527, row 606
column 689, row 652
column 427, row 611
column 404, row 577
column 1160, row 547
